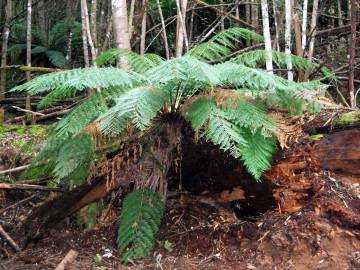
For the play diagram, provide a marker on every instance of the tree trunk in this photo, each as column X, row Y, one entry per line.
column 314, row 16
column 181, row 36
column 352, row 54
column 131, row 18
column 340, row 15
column 125, row 168
column 120, row 24
column 266, row 29
column 304, row 25
column 84, row 10
column 28, row 52
column 288, row 15
column 42, row 21
column 167, row 52
column 222, row 24
column 93, row 21
column 277, row 23
column 84, row 36
column 143, row 29
column 255, row 15
column 5, row 40
column 70, row 24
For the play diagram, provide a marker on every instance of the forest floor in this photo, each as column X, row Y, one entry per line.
column 199, row 233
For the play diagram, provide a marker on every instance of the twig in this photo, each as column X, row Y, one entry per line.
column 9, row 239
column 17, row 203
column 30, row 187
column 17, row 169
column 68, row 259
column 28, row 111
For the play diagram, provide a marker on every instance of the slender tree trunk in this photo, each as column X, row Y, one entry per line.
column 255, row 15
column 304, row 25
column 84, row 10
column 131, row 18
column 42, row 21
column 222, row 24
column 107, row 35
column 247, row 12
column 181, row 36
column 298, row 45
column 70, row 24
column 163, row 30
column 143, row 29
column 5, row 40
column 28, row 53
column 314, row 16
column 352, row 53
column 266, row 29
column 340, row 15
column 277, row 24
column 120, row 24
column 93, row 20
column 288, row 12
column 84, row 37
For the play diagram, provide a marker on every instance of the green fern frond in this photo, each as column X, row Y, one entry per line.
column 136, row 62
column 56, row 58
column 139, row 222
column 74, row 159
column 257, row 153
column 140, row 105
column 69, row 82
column 156, row 59
column 222, row 44
column 59, row 34
column 18, row 33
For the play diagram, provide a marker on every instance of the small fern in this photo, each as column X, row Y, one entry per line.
column 139, row 222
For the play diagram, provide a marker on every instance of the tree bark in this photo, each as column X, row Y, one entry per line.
column 181, row 36
column 84, row 36
column 70, row 24
column 93, row 21
column 120, row 24
column 304, row 24
column 288, row 18
column 143, row 29
column 84, row 10
column 167, row 52
column 131, row 18
column 340, row 15
column 266, row 30
column 255, row 14
column 28, row 52
column 314, row 16
column 5, row 40
column 352, row 54
column 42, row 21
column 277, row 25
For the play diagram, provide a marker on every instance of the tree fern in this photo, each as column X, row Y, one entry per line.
column 222, row 44
column 139, row 222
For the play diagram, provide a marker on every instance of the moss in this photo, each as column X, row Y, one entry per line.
column 37, row 130
column 347, row 119
column 20, row 131
column 316, row 137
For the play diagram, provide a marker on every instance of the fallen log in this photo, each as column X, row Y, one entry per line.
column 31, row 69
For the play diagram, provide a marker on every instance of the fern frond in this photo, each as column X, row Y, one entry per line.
column 56, row 58
column 140, row 105
column 74, row 160
column 222, row 44
column 136, row 62
column 156, row 59
column 257, row 153
column 139, row 222
column 69, row 82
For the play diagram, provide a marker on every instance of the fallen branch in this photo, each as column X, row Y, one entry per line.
column 31, row 69
column 9, row 239
column 333, row 31
column 17, row 169
column 68, row 259
column 17, row 203
column 30, row 187
column 40, row 117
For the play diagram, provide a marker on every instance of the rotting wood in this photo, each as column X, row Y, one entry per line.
column 7, row 237
column 68, row 259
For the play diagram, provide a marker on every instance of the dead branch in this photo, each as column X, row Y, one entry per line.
column 17, row 169
column 17, row 203
column 68, row 259
column 7, row 237
column 40, row 117
column 30, row 187
column 32, row 69
column 226, row 15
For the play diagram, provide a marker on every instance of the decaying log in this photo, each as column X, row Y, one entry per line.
column 68, row 259
column 136, row 164
column 7, row 237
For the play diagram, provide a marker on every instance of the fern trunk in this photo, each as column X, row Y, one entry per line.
column 147, row 166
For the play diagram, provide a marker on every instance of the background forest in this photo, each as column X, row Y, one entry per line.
column 131, row 128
